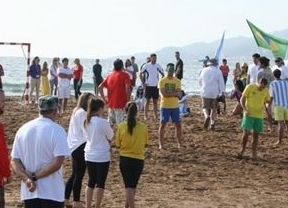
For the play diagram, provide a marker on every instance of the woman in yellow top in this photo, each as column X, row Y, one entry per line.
column 131, row 139
column 45, row 89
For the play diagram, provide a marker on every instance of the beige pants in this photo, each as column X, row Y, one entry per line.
column 34, row 83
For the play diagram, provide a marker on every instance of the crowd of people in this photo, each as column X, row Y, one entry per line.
column 258, row 89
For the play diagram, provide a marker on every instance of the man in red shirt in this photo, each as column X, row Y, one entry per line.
column 117, row 84
column 5, row 172
column 225, row 70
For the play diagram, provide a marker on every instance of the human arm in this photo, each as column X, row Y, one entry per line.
column 242, row 103
column 26, row 177
column 179, row 68
column 101, row 92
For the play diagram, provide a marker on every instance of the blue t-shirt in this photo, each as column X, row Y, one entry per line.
column 35, row 71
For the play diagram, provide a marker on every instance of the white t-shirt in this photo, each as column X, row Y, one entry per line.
column 253, row 72
column 36, row 144
column 64, row 82
column 75, row 136
column 152, row 73
column 283, row 69
column 211, row 82
column 130, row 70
column 98, row 134
column 53, row 70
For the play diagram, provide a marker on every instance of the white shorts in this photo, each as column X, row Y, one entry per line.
column 116, row 115
column 64, row 92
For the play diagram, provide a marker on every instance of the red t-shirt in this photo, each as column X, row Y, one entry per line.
column 77, row 71
column 5, row 171
column 116, row 83
column 225, row 70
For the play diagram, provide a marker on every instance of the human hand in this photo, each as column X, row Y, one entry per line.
column 7, row 180
column 246, row 112
column 30, row 184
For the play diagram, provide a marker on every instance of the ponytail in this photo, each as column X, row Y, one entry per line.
column 131, row 110
column 93, row 107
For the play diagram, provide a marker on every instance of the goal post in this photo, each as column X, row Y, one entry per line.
column 25, row 95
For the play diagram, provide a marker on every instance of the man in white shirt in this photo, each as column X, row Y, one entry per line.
column 279, row 64
column 65, row 75
column 253, row 70
column 150, row 74
column 38, row 153
column 53, row 76
column 212, row 86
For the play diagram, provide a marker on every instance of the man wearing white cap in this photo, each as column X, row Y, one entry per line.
column 212, row 86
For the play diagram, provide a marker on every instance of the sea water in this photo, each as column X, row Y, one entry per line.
column 15, row 73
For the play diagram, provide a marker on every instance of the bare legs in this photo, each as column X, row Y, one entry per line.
column 130, row 197
column 98, row 197
column 155, row 108
column 178, row 134
column 245, row 137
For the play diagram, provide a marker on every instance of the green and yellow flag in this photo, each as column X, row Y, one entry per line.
column 277, row 46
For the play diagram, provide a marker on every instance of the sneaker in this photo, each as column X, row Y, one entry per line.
column 206, row 122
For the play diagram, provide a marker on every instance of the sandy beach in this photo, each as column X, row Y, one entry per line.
column 204, row 173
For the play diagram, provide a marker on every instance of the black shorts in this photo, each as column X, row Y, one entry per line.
column 131, row 170
column 151, row 92
column 44, row 203
column 97, row 174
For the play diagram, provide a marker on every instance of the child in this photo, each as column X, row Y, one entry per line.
column 183, row 107
column 237, row 93
column 139, row 98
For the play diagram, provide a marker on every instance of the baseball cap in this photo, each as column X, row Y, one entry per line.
column 48, row 102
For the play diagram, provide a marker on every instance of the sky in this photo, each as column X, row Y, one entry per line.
column 106, row 28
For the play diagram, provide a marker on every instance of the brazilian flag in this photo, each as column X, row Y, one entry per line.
column 277, row 46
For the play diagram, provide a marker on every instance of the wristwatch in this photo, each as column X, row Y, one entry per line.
column 33, row 177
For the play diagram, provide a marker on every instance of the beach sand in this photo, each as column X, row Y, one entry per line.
column 204, row 173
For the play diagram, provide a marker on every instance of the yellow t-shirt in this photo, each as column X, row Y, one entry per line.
column 255, row 100
column 169, row 85
column 132, row 145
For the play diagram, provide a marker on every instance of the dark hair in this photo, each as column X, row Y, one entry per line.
column 118, row 65
column 131, row 110
column 256, row 55
column 93, row 107
column 153, row 55
column 264, row 61
column 277, row 73
column 65, row 60
column 224, row 60
column 240, row 85
column 263, row 81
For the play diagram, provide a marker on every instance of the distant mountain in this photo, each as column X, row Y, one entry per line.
column 233, row 47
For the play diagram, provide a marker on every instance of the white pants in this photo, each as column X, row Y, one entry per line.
column 34, row 83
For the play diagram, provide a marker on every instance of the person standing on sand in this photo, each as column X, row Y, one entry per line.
column 77, row 77
column 149, row 76
column 117, row 84
column 212, row 86
column 253, row 70
column 225, row 70
column 34, row 73
column 179, row 66
column 252, row 101
column 278, row 91
column 65, row 74
column 76, row 142
column 1, row 75
column 131, row 139
column 5, row 172
column 170, row 91
column 53, row 78
column 135, row 67
column 97, row 76
column 38, row 153
column 44, row 79
column 98, row 134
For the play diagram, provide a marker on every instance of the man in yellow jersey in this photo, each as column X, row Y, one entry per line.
column 170, row 90
column 252, row 100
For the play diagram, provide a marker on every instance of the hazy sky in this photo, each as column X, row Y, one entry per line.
column 103, row 28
